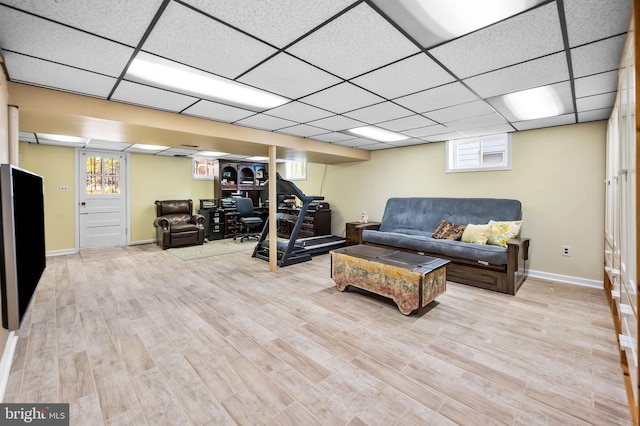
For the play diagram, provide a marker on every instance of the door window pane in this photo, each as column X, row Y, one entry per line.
column 103, row 175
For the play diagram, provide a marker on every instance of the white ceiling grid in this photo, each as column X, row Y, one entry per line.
column 342, row 63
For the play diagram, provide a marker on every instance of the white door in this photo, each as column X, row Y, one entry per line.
column 102, row 199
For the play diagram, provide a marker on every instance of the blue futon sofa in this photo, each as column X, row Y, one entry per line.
column 408, row 224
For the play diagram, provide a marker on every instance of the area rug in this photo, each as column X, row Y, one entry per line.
column 212, row 248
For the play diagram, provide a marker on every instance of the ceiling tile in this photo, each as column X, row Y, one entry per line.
column 426, row 131
column 442, row 137
column 288, row 76
column 298, row 111
column 376, row 146
column 356, row 42
column 177, row 152
column 406, row 123
column 278, row 22
column 119, row 20
column 604, row 100
column 475, row 122
column 303, row 130
column 332, row 137
column 44, row 38
column 489, row 130
column 379, row 112
column 437, row 98
column 410, row 75
column 559, row 120
column 337, row 123
column 342, row 98
column 597, row 57
column 218, row 112
column 266, row 122
column 538, row 72
column 186, row 36
column 43, row 73
column 523, row 37
column 140, row 94
column 356, row 142
column 597, row 83
column 108, row 145
column 409, row 142
column 594, row 115
column 460, row 112
column 591, row 20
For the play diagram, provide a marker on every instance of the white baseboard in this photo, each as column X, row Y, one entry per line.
column 566, row 279
column 141, row 242
column 61, row 252
column 6, row 361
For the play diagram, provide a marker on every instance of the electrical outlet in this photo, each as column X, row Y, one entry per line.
column 64, row 188
column 566, row 250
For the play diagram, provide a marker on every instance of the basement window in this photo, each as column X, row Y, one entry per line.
column 296, row 170
column 479, row 154
column 203, row 168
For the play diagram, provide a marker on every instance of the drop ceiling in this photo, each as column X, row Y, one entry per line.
column 341, row 64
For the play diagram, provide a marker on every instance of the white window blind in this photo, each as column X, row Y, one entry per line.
column 479, row 154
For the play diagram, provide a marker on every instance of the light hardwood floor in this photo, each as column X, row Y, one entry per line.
column 137, row 336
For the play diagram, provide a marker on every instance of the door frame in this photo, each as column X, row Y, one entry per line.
column 127, row 188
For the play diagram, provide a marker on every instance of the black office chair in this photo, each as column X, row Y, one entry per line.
column 248, row 220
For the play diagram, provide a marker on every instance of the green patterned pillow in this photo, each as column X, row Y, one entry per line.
column 476, row 234
column 501, row 232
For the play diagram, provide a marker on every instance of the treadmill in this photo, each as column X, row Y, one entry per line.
column 295, row 250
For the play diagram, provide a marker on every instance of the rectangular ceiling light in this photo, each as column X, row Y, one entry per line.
column 377, row 134
column 61, row 138
column 432, row 22
column 211, row 153
column 146, row 147
column 149, row 69
column 531, row 104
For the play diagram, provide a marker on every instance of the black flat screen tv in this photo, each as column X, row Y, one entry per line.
column 22, row 252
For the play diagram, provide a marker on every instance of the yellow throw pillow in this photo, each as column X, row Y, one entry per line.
column 476, row 234
column 501, row 232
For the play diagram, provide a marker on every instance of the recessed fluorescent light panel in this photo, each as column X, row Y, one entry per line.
column 211, row 153
column 431, row 22
column 532, row 104
column 145, row 147
column 149, row 69
column 62, row 138
column 377, row 134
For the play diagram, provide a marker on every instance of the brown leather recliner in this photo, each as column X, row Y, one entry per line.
column 176, row 225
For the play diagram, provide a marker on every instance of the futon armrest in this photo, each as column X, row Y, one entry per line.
column 523, row 246
column 374, row 226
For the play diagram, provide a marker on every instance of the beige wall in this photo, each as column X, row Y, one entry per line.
column 557, row 174
column 151, row 178
column 155, row 177
column 57, row 166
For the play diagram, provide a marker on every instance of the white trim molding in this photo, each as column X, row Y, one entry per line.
column 6, row 361
column 61, row 252
column 568, row 279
